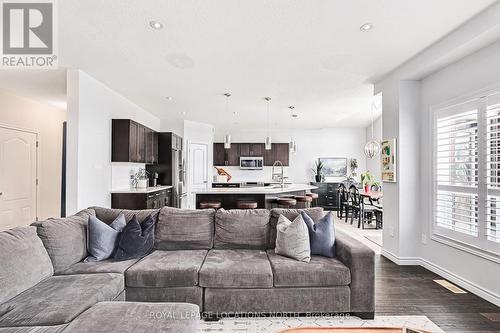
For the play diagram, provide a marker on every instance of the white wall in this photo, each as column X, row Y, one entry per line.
column 195, row 132
column 373, row 164
column 477, row 71
column 311, row 144
column 47, row 121
column 91, row 106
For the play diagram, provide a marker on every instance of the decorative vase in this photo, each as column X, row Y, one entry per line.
column 142, row 183
column 318, row 178
column 367, row 188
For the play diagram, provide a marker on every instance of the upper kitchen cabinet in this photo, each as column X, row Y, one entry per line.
column 227, row 157
column 279, row 152
column 251, row 149
column 133, row 142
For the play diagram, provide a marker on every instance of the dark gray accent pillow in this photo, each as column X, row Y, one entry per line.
column 103, row 238
column 321, row 235
column 136, row 240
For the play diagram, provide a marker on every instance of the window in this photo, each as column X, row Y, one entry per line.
column 467, row 173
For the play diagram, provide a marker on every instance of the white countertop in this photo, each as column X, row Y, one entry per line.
column 141, row 190
column 258, row 190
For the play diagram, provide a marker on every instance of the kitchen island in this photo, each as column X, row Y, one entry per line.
column 265, row 196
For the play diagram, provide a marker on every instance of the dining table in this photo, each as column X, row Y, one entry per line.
column 373, row 195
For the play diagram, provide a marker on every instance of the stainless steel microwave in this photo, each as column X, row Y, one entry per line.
column 251, row 163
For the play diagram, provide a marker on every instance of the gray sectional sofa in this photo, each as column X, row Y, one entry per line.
column 222, row 262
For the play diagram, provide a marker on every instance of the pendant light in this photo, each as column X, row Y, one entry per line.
column 268, row 144
column 227, row 137
column 372, row 147
column 292, row 145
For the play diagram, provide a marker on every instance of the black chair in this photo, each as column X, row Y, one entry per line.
column 343, row 199
column 379, row 207
column 354, row 204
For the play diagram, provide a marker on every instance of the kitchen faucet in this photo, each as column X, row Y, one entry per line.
column 281, row 175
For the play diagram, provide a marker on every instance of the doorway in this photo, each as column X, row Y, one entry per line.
column 18, row 177
column 197, row 170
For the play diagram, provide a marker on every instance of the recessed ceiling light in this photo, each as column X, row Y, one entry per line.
column 169, row 98
column 366, row 27
column 156, row 25
column 235, row 113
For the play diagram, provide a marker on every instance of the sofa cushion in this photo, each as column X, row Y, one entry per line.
column 103, row 238
column 242, row 229
column 104, row 266
column 321, row 235
column 315, row 213
column 136, row 239
column 319, row 272
column 65, row 238
column 167, row 269
column 236, row 269
column 131, row 317
column 59, row 299
column 33, row 329
column 108, row 215
column 23, row 261
column 292, row 239
column 184, row 229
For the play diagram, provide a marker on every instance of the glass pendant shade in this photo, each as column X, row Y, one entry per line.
column 294, row 147
column 372, row 149
column 227, row 141
column 268, row 143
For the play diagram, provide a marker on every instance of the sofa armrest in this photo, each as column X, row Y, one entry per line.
column 361, row 261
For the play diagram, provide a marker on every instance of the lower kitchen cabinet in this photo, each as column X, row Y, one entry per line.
column 327, row 195
column 151, row 200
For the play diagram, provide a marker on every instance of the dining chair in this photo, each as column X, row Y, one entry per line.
column 354, row 204
column 343, row 200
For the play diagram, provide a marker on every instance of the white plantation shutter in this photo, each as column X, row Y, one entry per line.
column 466, row 194
column 457, row 171
column 492, row 226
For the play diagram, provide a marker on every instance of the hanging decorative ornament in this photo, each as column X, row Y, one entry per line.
column 227, row 137
column 268, row 143
column 291, row 145
column 372, row 147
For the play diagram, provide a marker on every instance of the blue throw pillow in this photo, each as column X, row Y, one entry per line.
column 136, row 240
column 321, row 235
column 102, row 239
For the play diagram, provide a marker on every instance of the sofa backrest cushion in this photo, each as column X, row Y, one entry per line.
column 184, row 229
column 242, row 229
column 24, row 262
column 65, row 238
column 314, row 213
column 108, row 215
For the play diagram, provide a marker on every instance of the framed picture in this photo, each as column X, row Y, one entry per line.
column 334, row 166
column 388, row 160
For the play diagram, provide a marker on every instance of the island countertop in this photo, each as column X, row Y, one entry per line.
column 142, row 190
column 275, row 189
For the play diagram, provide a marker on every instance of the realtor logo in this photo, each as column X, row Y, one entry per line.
column 28, row 39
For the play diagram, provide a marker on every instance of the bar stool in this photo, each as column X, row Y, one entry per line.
column 210, row 204
column 246, row 205
column 286, row 202
column 314, row 197
column 304, row 199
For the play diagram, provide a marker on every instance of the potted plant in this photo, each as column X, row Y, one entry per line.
column 142, row 178
column 318, row 169
column 366, row 180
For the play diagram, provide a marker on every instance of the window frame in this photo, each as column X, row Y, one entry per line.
column 477, row 245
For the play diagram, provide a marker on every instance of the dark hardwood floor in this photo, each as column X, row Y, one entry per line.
column 410, row 290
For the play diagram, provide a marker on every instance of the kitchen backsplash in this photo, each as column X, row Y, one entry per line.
column 239, row 175
column 120, row 174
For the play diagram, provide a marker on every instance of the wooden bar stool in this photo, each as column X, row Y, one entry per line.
column 306, row 200
column 286, row 202
column 314, row 197
column 210, row 204
column 246, row 205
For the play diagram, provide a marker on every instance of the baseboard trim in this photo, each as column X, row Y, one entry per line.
column 452, row 277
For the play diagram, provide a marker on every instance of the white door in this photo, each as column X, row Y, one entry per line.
column 198, row 170
column 17, row 178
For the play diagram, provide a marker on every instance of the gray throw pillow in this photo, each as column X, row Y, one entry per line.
column 103, row 238
column 321, row 235
column 292, row 239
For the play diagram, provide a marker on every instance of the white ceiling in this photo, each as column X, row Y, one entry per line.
column 310, row 54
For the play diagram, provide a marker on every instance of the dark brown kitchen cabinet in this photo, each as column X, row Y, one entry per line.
column 251, row 149
column 133, row 142
column 227, row 157
column 219, row 154
column 279, row 152
column 151, row 200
